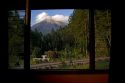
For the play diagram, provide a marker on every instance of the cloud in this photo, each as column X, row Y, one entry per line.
column 43, row 16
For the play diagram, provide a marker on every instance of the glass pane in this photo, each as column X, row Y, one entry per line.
column 102, row 38
column 16, row 38
column 59, row 39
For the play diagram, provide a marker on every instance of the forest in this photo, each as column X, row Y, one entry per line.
column 67, row 43
column 71, row 42
column 15, row 38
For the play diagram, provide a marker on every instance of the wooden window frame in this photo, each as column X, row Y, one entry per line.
column 31, row 4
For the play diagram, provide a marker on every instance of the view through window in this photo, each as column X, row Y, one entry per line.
column 102, row 38
column 16, row 38
column 59, row 39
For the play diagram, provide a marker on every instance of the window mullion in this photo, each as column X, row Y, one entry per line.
column 91, row 39
column 27, row 37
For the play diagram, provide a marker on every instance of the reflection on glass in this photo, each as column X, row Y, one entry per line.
column 59, row 39
column 102, row 38
column 16, row 38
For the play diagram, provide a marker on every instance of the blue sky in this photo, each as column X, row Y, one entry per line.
column 52, row 12
column 21, row 13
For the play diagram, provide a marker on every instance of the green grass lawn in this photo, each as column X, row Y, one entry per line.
column 85, row 66
column 98, row 65
column 102, row 64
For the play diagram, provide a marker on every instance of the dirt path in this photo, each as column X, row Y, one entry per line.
column 56, row 64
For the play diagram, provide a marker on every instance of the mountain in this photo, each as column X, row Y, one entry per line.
column 47, row 25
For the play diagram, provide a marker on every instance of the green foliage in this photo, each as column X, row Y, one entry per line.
column 103, row 32
column 15, row 37
column 35, row 52
column 102, row 64
column 71, row 41
column 85, row 66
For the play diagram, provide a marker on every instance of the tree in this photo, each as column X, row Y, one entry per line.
column 103, row 31
column 16, row 36
column 78, row 24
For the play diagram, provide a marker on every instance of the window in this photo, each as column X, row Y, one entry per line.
column 92, row 43
column 61, row 36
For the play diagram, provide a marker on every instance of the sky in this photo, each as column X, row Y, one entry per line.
column 21, row 13
column 55, row 14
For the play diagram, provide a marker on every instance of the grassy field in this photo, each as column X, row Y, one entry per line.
column 102, row 64
column 98, row 65
column 85, row 66
column 13, row 60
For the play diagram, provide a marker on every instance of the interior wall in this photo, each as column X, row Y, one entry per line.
column 73, row 78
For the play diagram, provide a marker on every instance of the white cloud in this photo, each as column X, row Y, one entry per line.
column 43, row 16
column 60, row 18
